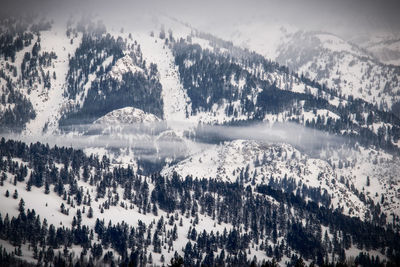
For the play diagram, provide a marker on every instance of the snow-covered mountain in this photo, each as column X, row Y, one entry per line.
column 364, row 68
column 165, row 115
column 340, row 175
column 343, row 66
column 160, row 218
column 384, row 46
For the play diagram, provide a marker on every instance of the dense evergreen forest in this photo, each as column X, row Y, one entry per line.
column 105, row 93
column 263, row 217
column 18, row 109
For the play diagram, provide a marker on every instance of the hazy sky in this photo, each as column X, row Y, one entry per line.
column 341, row 16
column 344, row 16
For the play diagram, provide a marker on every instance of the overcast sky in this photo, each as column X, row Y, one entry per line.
column 341, row 16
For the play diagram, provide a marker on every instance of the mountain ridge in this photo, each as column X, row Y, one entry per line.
column 188, row 148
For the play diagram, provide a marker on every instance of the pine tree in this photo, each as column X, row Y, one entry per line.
column 29, row 185
column 21, row 206
column 46, row 188
column 90, row 213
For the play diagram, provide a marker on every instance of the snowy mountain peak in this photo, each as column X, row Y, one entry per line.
column 127, row 115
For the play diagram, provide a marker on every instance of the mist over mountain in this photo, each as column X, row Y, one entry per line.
column 187, row 133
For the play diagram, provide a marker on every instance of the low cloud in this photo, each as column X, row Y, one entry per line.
column 155, row 141
column 301, row 137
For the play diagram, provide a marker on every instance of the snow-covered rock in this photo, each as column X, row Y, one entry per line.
column 127, row 115
column 122, row 66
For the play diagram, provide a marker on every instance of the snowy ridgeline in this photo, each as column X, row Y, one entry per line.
column 155, row 217
column 365, row 67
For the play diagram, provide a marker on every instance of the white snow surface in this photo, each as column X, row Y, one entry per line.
column 176, row 101
column 48, row 104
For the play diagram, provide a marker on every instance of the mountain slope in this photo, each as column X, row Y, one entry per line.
column 336, row 181
column 327, row 58
column 258, row 163
column 153, row 218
